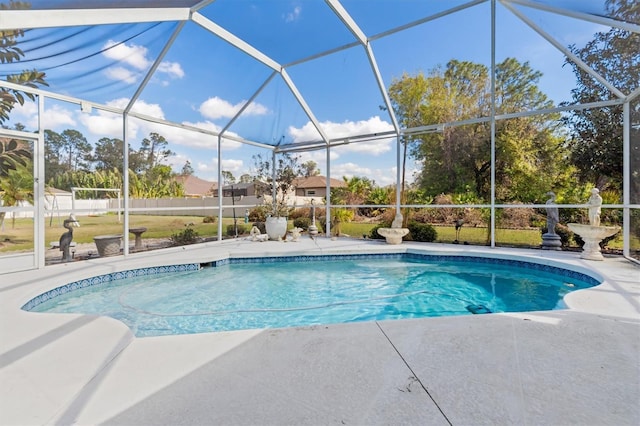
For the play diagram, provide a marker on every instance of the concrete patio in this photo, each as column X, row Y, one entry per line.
column 575, row 366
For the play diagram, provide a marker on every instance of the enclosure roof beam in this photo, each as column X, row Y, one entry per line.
column 568, row 53
column 303, row 104
column 246, row 104
column 351, row 24
column 234, row 40
column 12, row 19
column 155, row 66
column 426, row 19
column 609, row 22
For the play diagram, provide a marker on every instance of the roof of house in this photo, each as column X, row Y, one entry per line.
column 193, row 185
column 317, row 182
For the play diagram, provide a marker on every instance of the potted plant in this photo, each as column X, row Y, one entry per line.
column 274, row 182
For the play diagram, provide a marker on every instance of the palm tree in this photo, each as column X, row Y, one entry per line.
column 16, row 187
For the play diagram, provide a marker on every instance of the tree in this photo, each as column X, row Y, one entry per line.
column 16, row 187
column 356, row 191
column 310, row 168
column 287, row 169
column 13, row 154
column 107, row 155
column 459, row 157
column 52, row 147
column 187, row 170
column 68, row 151
column 245, row 178
column 10, row 52
column 596, row 139
column 227, row 177
column 154, row 150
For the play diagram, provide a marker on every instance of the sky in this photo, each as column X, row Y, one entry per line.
column 203, row 81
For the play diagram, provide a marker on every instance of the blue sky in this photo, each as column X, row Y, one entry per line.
column 203, row 81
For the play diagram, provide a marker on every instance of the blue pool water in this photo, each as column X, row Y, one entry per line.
column 284, row 294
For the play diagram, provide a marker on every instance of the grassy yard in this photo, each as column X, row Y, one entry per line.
column 20, row 237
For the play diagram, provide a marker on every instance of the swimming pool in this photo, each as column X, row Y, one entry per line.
column 248, row 293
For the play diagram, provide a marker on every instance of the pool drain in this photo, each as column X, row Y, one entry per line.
column 478, row 309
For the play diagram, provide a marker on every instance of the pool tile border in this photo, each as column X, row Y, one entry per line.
column 114, row 276
column 412, row 256
column 107, row 278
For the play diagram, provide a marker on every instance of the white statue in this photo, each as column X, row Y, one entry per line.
column 595, row 201
column 295, row 234
column 257, row 236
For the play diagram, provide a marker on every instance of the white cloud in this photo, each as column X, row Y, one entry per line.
column 57, row 116
column 121, row 74
column 174, row 69
column 54, row 117
column 133, row 55
column 382, row 177
column 177, row 161
column 106, row 124
column 233, row 166
column 349, row 170
column 209, row 141
column 133, row 60
column 308, row 132
column 206, row 167
column 216, row 107
column 294, row 15
column 103, row 123
column 142, row 107
column 333, row 130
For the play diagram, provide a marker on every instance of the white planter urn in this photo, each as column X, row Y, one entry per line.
column 276, row 227
column 592, row 235
column 393, row 235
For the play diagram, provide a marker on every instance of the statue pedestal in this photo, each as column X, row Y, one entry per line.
column 393, row 235
column 551, row 241
column 592, row 235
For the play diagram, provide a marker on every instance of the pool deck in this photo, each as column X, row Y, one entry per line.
column 575, row 366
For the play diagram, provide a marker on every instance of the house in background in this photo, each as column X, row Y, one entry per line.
column 315, row 186
column 196, row 187
column 239, row 190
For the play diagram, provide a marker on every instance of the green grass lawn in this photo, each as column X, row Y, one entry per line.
column 20, row 237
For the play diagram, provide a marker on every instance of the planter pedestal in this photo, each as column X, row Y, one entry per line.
column 108, row 245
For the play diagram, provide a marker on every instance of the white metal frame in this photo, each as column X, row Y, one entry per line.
column 62, row 18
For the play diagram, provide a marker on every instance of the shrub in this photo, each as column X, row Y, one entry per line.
column 260, row 226
column 300, row 212
column 373, row 234
column 209, row 219
column 517, row 217
column 603, row 244
column 422, row 232
column 231, row 229
column 302, row 222
column 184, row 237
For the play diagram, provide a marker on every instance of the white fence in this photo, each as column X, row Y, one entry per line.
column 204, row 206
column 63, row 204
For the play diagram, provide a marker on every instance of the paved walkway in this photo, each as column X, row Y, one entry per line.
column 575, row 366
